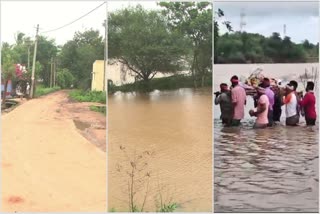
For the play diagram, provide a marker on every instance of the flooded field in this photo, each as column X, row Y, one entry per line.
column 166, row 137
column 271, row 170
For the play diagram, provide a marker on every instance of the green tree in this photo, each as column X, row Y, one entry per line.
column 144, row 43
column 194, row 20
column 79, row 54
column 65, row 78
column 8, row 57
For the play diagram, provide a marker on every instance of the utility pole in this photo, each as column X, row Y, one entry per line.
column 105, row 87
column 29, row 56
column 54, row 71
column 51, row 72
column 34, row 64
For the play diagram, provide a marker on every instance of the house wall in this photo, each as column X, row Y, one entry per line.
column 97, row 75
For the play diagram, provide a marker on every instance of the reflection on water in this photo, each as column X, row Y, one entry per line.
column 176, row 127
column 267, row 170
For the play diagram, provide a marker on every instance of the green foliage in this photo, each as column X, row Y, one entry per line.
column 46, row 48
column 79, row 54
column 65, row 78
column 88, row 96
column 101, row 109
column 194, row 21
column 166, row 208
column 112, row 210
column 143, row 42
column 242, row 47
column 42, row 90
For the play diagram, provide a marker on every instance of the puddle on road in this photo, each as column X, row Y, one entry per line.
column 81, row 125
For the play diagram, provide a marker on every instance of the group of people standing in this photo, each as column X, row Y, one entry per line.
column 268, row 101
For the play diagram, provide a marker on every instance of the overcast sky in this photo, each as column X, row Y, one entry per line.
column 25, row 15
column 301, row 18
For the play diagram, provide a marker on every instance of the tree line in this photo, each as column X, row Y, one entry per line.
column 74, row 59
column 243, row 47
column 177, row 37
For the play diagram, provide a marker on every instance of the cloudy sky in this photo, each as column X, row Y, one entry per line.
column 24, row 16
column 301, row 18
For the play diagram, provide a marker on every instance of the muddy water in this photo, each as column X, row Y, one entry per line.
column 271, row 170
column 170, row 132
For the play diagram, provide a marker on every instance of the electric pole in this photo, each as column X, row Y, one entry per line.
column 54, row 71
column 34, row 64
column 51, row 72
column 29, row 45
column 105, row 87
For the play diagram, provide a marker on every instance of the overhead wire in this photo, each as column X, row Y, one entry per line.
column 74, row 20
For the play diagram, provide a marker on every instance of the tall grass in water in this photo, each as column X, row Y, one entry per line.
column 88, row 96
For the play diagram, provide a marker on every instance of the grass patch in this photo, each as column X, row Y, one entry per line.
column 166, row 83
column 88, row 96
column 168, row 208
column 101, row 109
column 41, row 90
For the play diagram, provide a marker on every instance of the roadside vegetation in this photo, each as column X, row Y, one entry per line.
column 88, row 96
column 41, row 90
column 101, row 109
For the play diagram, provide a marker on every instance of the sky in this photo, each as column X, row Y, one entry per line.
column 24, row 16
column 301, row 18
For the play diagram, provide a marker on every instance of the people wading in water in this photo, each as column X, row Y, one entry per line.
column 308, row 103
column 238, row 97
column 262, row 109
column 223, row 98
column 291, row 104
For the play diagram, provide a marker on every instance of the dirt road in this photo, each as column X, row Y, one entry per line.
column 47, row 165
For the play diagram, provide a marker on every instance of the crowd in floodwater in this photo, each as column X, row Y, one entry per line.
column 268, row 102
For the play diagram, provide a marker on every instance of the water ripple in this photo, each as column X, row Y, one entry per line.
column 270, row 170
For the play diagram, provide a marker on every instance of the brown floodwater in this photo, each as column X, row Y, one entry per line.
column 166, row 136
column 270, row 170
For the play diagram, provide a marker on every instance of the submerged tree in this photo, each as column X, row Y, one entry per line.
column 143, row 42
column 194, row 21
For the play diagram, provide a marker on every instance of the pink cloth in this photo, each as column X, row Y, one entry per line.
column 239, row 96
column 262, row 118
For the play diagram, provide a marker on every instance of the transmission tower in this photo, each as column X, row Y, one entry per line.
column 242, row 21
column 284, row 30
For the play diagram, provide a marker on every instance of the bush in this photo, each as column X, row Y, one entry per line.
column 88, row 96
column 41, row 90
column 101, row 109
column 65, row 78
